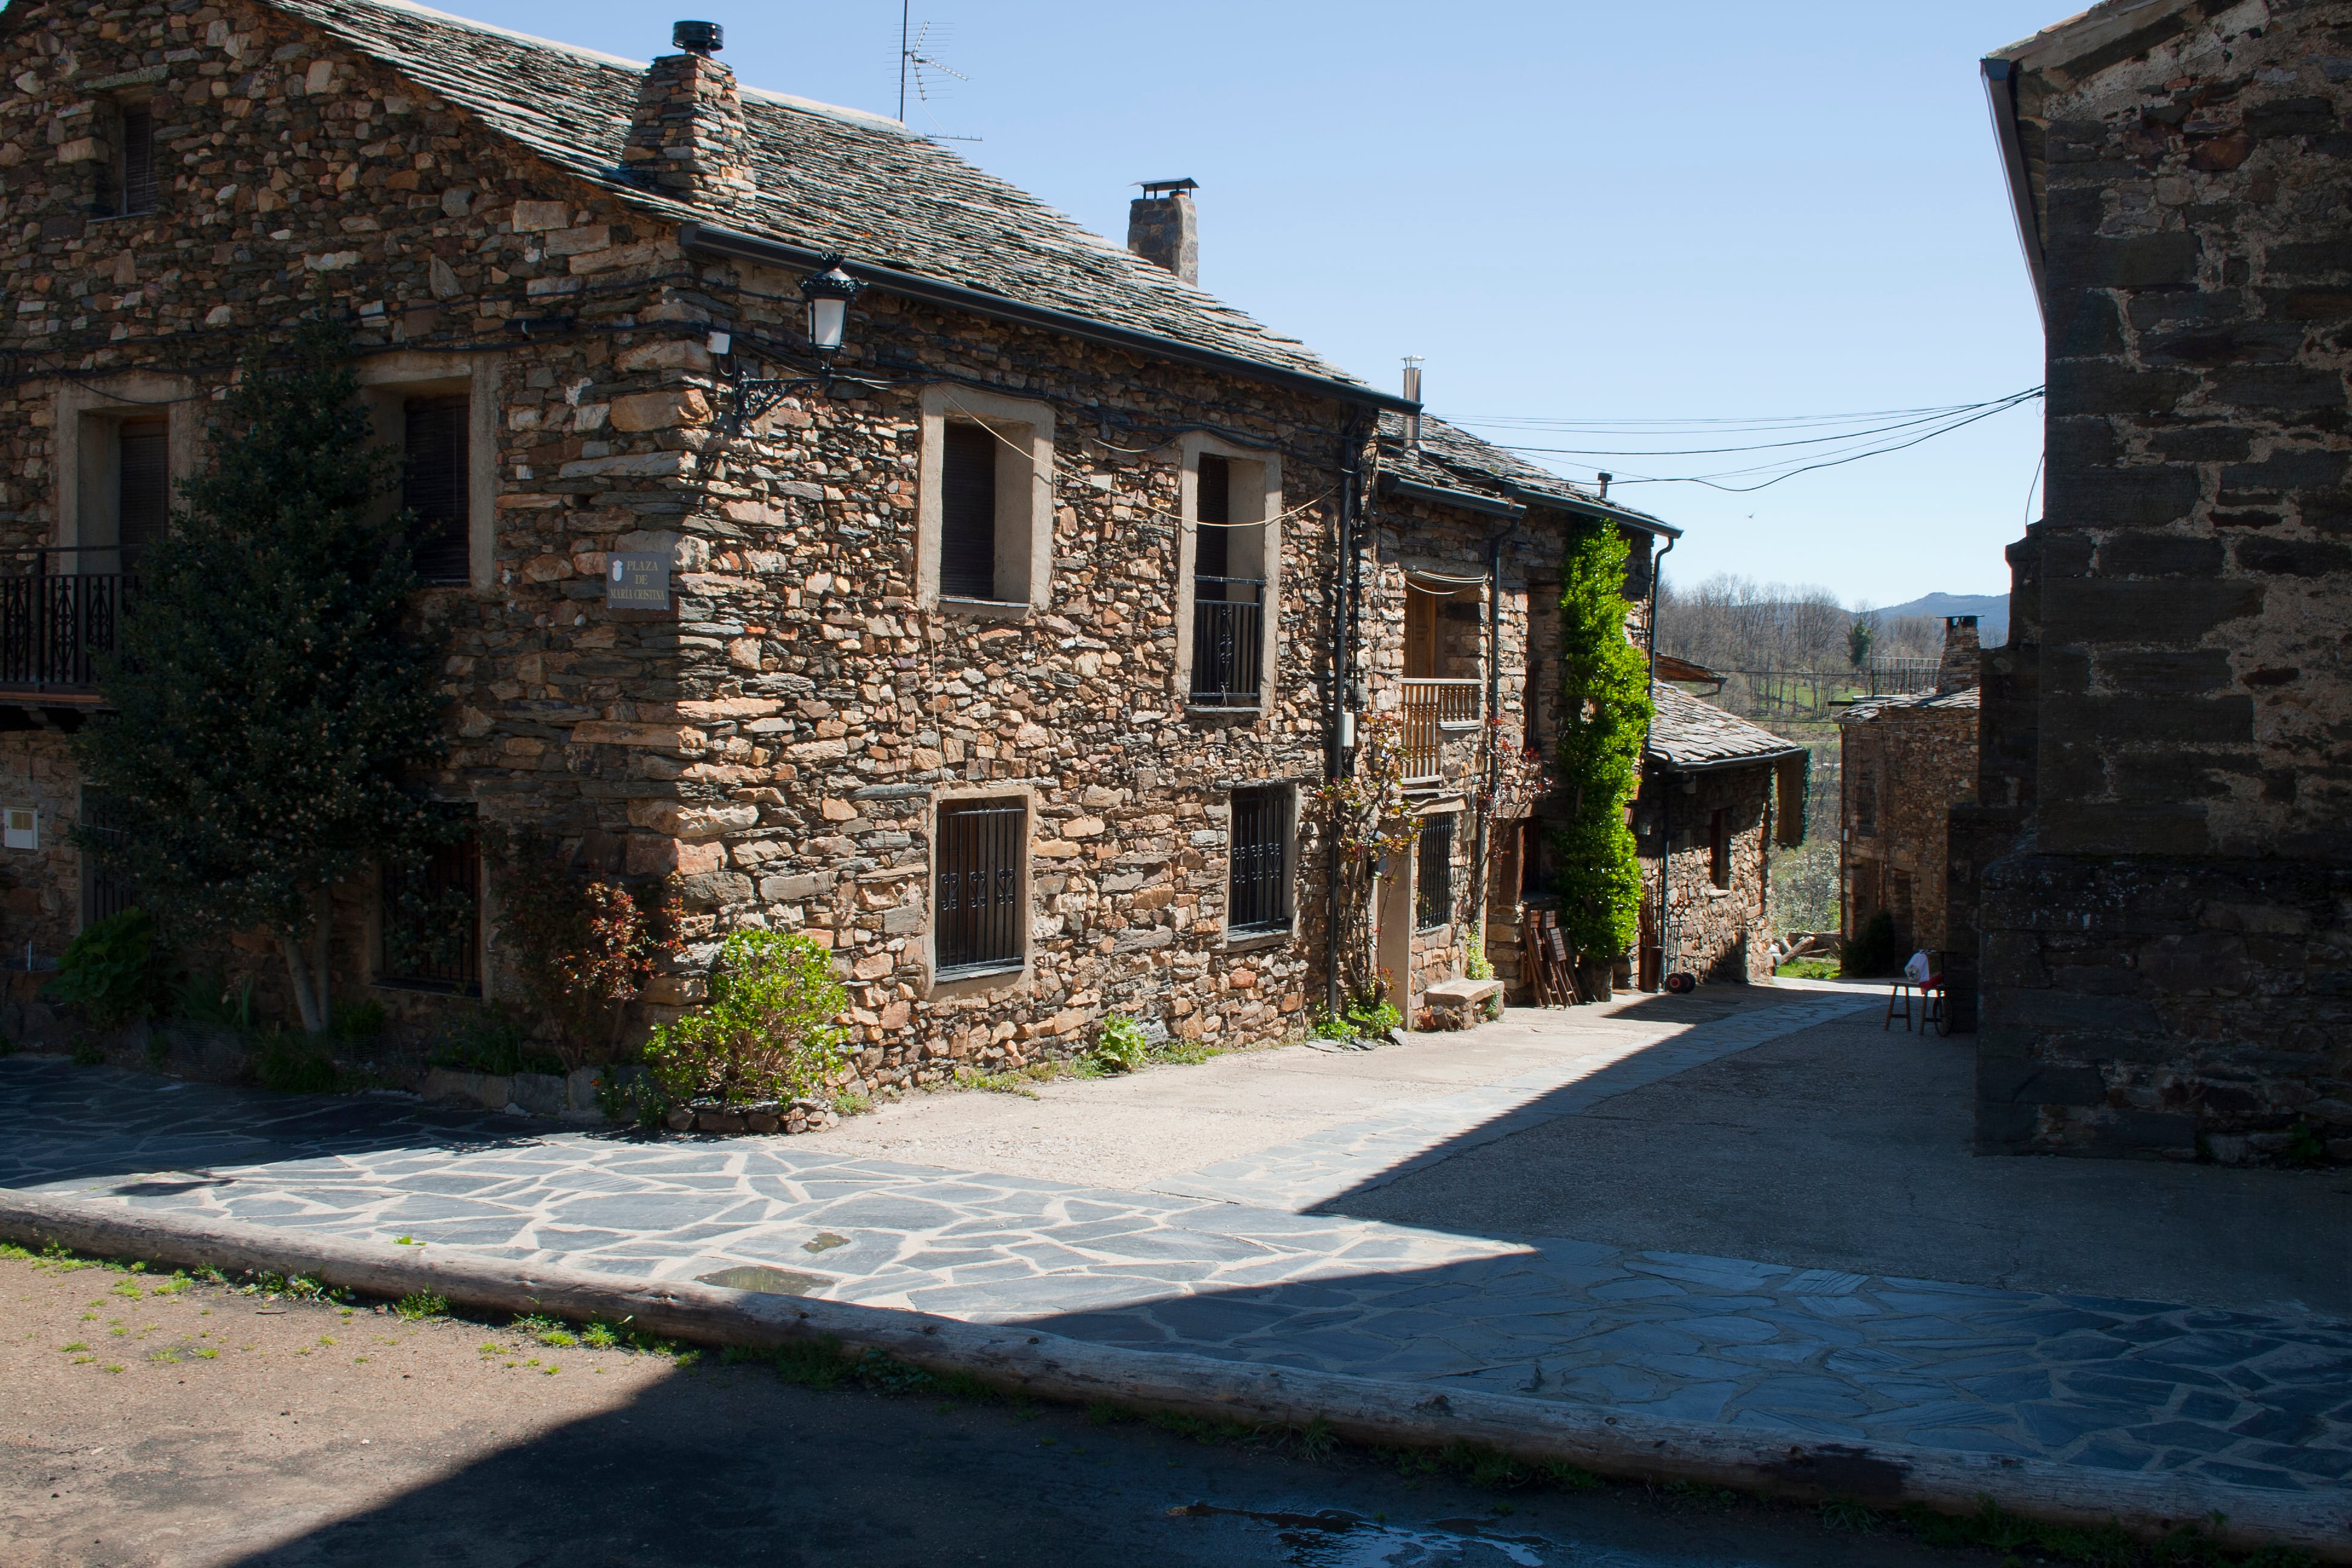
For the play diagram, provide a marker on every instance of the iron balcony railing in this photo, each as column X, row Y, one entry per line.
column 1228, row 640
column 57, row 618
column 1431, row 708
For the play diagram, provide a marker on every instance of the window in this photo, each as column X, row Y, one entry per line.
column 134, row 162
column 984, row 511
column 142, row 484
column 968, row 513
column 1258, row 899
column 978, row 925
column 1434, row 874
column 1865, row 800
column 1718, row 849
column 104, row 891
column 1228, row 604
column 431, row 922
column 434, row 484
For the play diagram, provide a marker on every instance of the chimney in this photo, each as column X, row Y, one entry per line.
column 1412, row 395
column 686, row 135
column 1958, row 671
column 1163, row 229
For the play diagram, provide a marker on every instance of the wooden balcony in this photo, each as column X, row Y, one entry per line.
column 1435, row 711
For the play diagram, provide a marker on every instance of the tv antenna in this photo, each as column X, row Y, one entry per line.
column 913, row 62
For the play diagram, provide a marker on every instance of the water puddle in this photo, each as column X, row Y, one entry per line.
column 1334, row 1537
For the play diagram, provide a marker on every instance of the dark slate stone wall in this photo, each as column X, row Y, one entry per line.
column 2158, row 950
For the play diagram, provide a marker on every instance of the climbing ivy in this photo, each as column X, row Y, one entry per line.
column 1604, row 717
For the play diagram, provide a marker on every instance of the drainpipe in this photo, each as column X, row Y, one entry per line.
column 1341, row 729
column 1665, row 792
column 1494, row 710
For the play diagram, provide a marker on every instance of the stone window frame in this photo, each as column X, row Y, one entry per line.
column 1252, row 940
column 388, row 380
column 85, row 423
column 1012, row 976
column 1453, row 909
column 1025, row 491
column 1189, row 450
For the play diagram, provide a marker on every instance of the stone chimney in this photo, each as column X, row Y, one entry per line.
column 1163, row 229
column 1958, row 671
column 688, row 138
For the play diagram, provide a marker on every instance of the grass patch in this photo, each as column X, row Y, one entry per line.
column 418, row 1305
column 1810, row 969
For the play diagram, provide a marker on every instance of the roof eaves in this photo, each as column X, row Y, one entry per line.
column 1441, row 495
column 735, row 246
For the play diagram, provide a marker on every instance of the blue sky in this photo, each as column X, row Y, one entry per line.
column 1574, row 211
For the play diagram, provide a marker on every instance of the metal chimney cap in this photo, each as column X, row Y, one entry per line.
column 697, row 38
column 1163, row 188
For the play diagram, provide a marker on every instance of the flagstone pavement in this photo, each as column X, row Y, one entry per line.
column 1230, row 1261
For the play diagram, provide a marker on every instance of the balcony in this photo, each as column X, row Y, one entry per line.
column 1228, row 641
column 1435, row 712
column 55, row 621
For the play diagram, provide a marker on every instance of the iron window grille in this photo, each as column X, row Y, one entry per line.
column 431, row 921
column 968, row 513
column 978, row 921
column 1433, row 876
column 1259, row 898
column 433, row 486
column 104, row 891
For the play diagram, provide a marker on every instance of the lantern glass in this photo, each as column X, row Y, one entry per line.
column 828, row 318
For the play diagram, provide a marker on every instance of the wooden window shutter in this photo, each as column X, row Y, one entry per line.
column 434, row 488
column 143, row 483
column 968, row 513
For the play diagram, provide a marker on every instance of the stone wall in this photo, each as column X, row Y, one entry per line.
column 1916, row 762
column 2162, row 950
column 40, row 888
column 1716, row 933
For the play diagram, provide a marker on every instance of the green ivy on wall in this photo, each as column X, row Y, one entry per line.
column 1604, row 717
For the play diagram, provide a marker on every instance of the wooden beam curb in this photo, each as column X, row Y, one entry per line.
column 1363, row 1409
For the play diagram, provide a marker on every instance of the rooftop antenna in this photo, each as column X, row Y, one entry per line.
column 913, row 62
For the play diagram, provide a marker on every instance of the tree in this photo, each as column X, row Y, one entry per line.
column 1858, row 638
column 1604, row 719
column 269, row 702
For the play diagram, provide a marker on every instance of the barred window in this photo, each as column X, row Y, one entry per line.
column 1433, row 879
column 431, row 921
column 978, row 860
column 434, row 485
column 968, row 513
column 106, row 890
column 136, row 189
column 1259, row 895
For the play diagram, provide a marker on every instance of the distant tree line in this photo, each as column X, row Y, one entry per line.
column 1785, row 650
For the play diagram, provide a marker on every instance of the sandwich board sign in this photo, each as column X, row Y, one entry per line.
column 638, row 581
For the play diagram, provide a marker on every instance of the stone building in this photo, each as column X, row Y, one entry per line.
column 1904, row 763
column 2159, row 864
column 999, row 650
column 1717, row 794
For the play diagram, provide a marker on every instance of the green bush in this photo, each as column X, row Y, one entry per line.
column 1873, row 951
column 767, row 1031
column 490, row 1040
column 1121, row 1047
column 113, row 971
column 360, row 1021
column 295, row 1064
column 1810, row 969
column 206, row 1000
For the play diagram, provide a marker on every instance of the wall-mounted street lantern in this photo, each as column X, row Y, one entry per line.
column 828, row 290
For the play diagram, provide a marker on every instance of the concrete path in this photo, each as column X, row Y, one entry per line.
column 1214, row 1255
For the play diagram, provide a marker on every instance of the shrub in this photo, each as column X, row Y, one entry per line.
column 360, row 1021
column 1605, row 712
column 1874, row 949
column 1479, row 967
column 768, row 1032
column 294, row 1064
column 490, row 1040
column 113, row 971
column 1121, row 1047
column 583, row 948
column 207, row 1000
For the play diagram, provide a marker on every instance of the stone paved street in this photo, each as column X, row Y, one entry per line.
column 1223, row 1259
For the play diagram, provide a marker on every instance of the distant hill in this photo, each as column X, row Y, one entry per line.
column 1991, row 611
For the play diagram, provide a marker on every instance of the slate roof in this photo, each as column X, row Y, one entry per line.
column 1453, row 458
column 828, row 178
column 1689, row 734
column 1965, row 700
